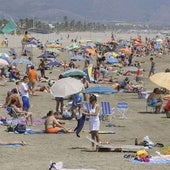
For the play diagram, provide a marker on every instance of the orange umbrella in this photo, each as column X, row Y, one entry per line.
column 137, row 39
column 125, row 50
column 91, row 51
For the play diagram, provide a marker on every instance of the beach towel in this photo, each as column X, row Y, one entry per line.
column 156, row 160
column 80, row 125
column 11, row 145
column 32, row 132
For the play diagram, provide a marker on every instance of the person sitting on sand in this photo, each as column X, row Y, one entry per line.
column 14, row 95
column 155, row 100
column 20, row 112
column 53, row 125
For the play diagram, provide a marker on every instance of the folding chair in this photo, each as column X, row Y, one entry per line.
column 152, row 108
column 12, row 113
column 122, row 108
column 106, row 111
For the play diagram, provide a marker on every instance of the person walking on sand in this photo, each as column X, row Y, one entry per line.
column 152, row 68
column 25, row 93
column 33, row 78
column 94, row 121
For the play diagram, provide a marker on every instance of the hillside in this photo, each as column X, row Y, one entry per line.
column 135, row 11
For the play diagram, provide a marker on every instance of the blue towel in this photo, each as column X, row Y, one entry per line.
column 12, row 145
column 154, row 161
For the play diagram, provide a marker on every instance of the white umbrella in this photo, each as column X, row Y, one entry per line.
column 3, row 62
column 161, row 79
column 66, row 87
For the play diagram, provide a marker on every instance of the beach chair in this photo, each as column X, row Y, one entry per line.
column 150, row 108
column 14, row 116
column 122, row 108
column 11, row 112
column 106, row 111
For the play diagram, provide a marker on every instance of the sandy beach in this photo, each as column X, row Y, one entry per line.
column 75, row 152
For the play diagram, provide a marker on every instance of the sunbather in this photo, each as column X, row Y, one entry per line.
column 13, row 143
column 53, row 125
column 155, row 100
column 20, row 112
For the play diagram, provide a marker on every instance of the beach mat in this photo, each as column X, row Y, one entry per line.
column 11, row 145
column 32, row 132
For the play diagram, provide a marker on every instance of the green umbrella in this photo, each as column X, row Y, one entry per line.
column 53, row 50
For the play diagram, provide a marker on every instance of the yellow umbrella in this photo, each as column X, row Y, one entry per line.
column 161, row 79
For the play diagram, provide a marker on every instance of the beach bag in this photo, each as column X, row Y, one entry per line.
column 20, row 128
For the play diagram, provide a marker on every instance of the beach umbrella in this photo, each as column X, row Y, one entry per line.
column 54, row 63
column 4, row 55
column 66, row 86
column 22, row 61
column 112, row 60
column 3, row 62
column 74, row 73
column 111, row 54
column 100, row 89
column 47, row 55
column 73, row 47
column 91, row 51
column 125, row 50
column 78, row 57
column 53, row 50
column 161, row 79
column 130, row 68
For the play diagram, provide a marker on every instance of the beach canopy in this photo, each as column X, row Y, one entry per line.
column 9, row 27
column 161, row 79
column 66, row 86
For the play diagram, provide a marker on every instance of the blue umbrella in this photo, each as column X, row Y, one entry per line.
column 47, row 55
column 22, row 61
column 78, row 57
column 54, row 63
column 112, row 60
column 100, row 89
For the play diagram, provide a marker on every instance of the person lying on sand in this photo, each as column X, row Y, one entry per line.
column 13, row 143
column 41, row 89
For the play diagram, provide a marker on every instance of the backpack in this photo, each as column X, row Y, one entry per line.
column 20, row 128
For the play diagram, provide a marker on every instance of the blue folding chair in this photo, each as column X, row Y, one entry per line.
column 106, row 111
column 122, row 108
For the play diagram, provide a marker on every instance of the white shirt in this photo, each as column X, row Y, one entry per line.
column 24, row 89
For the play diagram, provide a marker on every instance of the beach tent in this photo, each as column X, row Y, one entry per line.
column 9, row 27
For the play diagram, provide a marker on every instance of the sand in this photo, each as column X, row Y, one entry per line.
column 74, row 151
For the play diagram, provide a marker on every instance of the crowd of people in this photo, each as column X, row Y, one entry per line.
column 102, row 73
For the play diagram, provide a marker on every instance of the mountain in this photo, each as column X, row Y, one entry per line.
column 154, row 12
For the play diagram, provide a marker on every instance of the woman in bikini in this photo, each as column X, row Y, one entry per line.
column 53, row 125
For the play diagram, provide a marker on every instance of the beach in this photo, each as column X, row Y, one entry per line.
column 74, row 152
